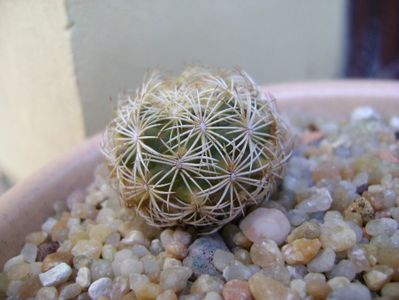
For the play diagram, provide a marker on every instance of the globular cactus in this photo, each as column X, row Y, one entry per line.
column 196, row 149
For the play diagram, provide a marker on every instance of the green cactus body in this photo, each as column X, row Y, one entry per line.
column 197, row 149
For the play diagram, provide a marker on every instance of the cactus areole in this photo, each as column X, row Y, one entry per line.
column 195, row 149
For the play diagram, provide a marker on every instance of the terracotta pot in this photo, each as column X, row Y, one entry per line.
column 25, row 207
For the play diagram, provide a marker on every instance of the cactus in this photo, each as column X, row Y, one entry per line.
column 196, row 149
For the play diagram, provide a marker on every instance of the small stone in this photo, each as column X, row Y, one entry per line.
column 56, row 258
column 48, row 224
column 45, row 249
column 390, row 289
column 83, row 278
column 221, row 259
column 18, row 271
column 99, row 232
column 175, row 278
column 301, row 251
column 307, row 230
column 350, row 292
column 265, row 223
column 240, row 240
column 152, row 267
column 81, row 261
column 377, row 277
column 100, row 288
column 242, row 255
column 130, row 266
column 318, row 290
column 236, row 290
column 236, row 270
column 70, row 291
column 135, row 237
column 388, row 256
column 77, row 234
column 318, row 200
column 29, row 252
column 108, row 252
column 205, row 284
column 265, row 288
column 182, row 236
column 338, row 282
column 297, row 272
column 58, row 274
column 201, row 251
column 362, row 113
column 359, row 257
column 167, row 295
column 299, row 286
column 120, row 287
column 296, row 217
column 101, row 268
column 266, row 253
column 129, row 296
column 314, row 276
column 156, row 247
column 213, row 296
column 381, row 226
column 170, row 262
column 278, row 272
column 47, row 293
column 13, row 261
column 143, row 288
column 139, row 251
column 30, row 287
column 323, row 262
column 177, row 250
column 59, row 232
column 337, row 235
column 13, row 289
column 36, row 237
column 89, row 248
column 345, row 268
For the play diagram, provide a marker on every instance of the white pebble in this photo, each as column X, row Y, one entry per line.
column 47, row 293
column 12, row 261
column 221, row 259
column 56, row 275
column 29, row 252
column 381, row 226
column 175, row 278
column 102, row 287
column 319, row 200
column 364, row 113
column 323, row 262
column 266, row 223
column 394, row 122
column 48, row 224
column 83, row 278
column 236, row 270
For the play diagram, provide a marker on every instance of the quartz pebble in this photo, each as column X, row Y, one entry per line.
column 83, row 278
column 56, row 258
column 390, row 289
column 221, row 259
column 236, row 290
column 89, row 248
column 319, row 200
column 381, row 226
column 377, row 277
column 318, row 290
column 206, row 283
column 102, row 287
column 323, row 262
column 266, row 253
column 29, row 252
column 337, row 235
column 167, row 295
column 175, row 278
column 265, row 288
column 350, row 292
column 345, row 268
column 47, row 293
column 236, row 270
column 266, row 223
column 307, row 230
column 70, row 291
column 58, row 274
column 301, row 251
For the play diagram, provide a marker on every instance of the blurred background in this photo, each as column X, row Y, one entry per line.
column 62, row 63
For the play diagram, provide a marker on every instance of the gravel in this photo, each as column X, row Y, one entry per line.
column 330, row 232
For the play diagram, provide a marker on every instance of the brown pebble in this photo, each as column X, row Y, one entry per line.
column 360, row 206
column 388, row 256
column 266, row 288
column 60, row 230
column 56, row 258
column 176, row 250
column 45, row 249
column 318, row 289
column 301, row 251
column 30, row 287
column 236, row 290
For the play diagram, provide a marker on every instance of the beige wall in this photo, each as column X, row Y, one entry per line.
column 40, row 110
column 61, row 61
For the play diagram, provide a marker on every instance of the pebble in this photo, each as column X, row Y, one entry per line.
column 236, row 290
column 83, row 278
column 221, row 259
column 338, row 282
column 200, row 256
column 29, row 252
column 36, row 237
column 135, row 237
column 102, row 287
column 266, row 253
column 278, row 272
column 99, row 232
column 18, row 271
column 102, row 268
column 213, row 296
column 318, row 200
column 240, row 240
column 151, row 267
column 318, row 290
column 378, row 276
column 388, row 256
column 300, row 251
column 350, row 292
column 58, row 274
column 236, row 270
column 299, row 286
column 205, row 284
column 48, row 225
column 323, row 262
column 242, row 255
column 390, row 289
column 89, row 248
column 47, row 293
column 345, row 268
column 362, row 113
column 381, row 226
column 307, row 230
column 30, row 287
column 337, row 235
column 45, row 249
column 120, row 287
column 13, row 261
column 167, row 295
column 175, row 278
column 265, row 288
column 70, row 291
column 266, row 223
column 56, row 258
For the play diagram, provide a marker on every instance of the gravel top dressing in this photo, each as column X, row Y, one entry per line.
column 329, row 232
